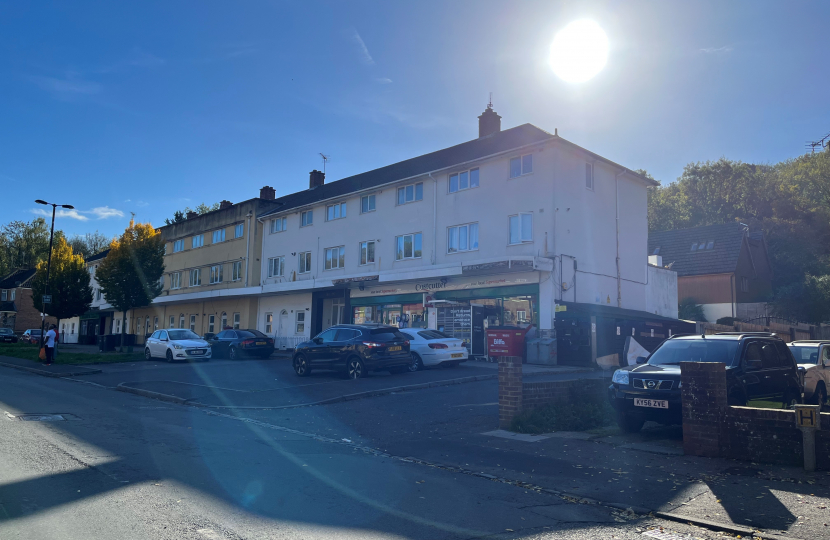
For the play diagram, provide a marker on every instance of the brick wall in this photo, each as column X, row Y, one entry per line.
column 537, row 394
column 510, row 389
column 27, row 315
column 823, row 444
column 703, row 395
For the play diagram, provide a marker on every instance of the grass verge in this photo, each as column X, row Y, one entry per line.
column 30, row 352
column 582, row 416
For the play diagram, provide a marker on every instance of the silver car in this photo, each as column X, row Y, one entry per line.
column 813, row 359
column 176, row 344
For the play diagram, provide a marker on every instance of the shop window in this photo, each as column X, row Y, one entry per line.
column 299, row 327
column 335, row 211
column 462, row 238
column 276, row 266
column 236, row 321
column 367, row 252
column 305, row 262
column 306, row 218
column 521, row 228
column 520, row 166
column 367, row 204
column 463, row 180
column 335, row 257
column 411, row 193
column 408, row 246
column 269, row 322
column 278, row 225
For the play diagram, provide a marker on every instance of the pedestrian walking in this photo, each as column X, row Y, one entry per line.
column 51, row 337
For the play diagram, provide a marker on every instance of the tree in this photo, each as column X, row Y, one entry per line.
column 130, row 275
column 689, row 310
column 23, row 244
column 89, row 244
column 179, row 215
column 68, row 283
column 808, row 300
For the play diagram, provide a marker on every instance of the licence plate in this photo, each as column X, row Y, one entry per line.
column 457, row 355
column 197, row 351
column 395, row 348
column 653, row 403
column 260, row 343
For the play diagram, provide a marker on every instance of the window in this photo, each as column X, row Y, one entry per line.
column 236, row 271
column 218, row 236
column 521, row 315
column 656, row 251
column 335, row 257
column 305, row 262
column 148, row 329
column 239, row 230
column 367, row 252
column 589, row 176
column 710, row 244
column 367, row 204
column 212, row 324
column 276, row 266
column 181, row 320
column 216, row 273
column 744, row 284
column 197, row 241
column 100, row 294
column 224, row 320
column 118, row 326
column 411, row 193
column 236, row 321
column 521, row 228
column 196, row 277
column 3, row 295
column 694, row 246
column 138, row 325
column 269, row 322
column 299, row 327
column 193, row 323
column 306, row 218
column 463, row 180
column 462, row 238
column 178, row 245
column 335, row 211
column 344, row 334
column 155, row 323
column 13, row 294
column 72, row 331
column 521, row 165
column 278, row 224
column 172, row 322
column 408, row 246
column 176, row 280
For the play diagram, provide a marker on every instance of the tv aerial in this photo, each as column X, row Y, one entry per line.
column 325, row 160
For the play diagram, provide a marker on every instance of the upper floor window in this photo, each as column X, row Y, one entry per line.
column 236, row 271
column 239, row 230
column 3, row 295
column 218, row 236
column 13, row 294
column 305, row 262
column 408, row 246
column 411, row 193
column 462, row 238
column 178, row 245
column 367, row 252
column 100, row 294
column 521, row 165
column 195, row 277
column 367, row 204
column 176, row 280
column 306, row 218
column 589, row 176
column 521, row 228
column 216, row 273
column 335, row 257
column 278, row 224
column 197, row 241
column 276, row 266
column 335, row 211
column 463, row 180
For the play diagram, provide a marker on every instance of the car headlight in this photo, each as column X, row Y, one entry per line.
column 620, row 377
column 177, row 346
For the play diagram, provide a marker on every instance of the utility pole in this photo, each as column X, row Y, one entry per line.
column 49, row 265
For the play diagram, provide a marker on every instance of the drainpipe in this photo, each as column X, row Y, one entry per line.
column 248, row 249
column 434, row 219
column 617, row 208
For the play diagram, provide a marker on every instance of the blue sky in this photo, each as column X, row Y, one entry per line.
column 148, row 107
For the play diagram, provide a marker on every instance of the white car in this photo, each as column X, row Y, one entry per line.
column 431, row 348
column 813, row 359
column 176, row 344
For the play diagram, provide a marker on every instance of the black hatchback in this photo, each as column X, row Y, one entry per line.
column 354, row 350
column 758, row 366
column 241, row 342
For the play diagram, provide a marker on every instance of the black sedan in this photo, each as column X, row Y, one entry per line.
column 241, row 342
column 7, row 336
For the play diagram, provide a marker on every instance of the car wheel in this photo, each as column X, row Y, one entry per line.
column 417, row 364
column 355, row 368
column 791, row 398
column 629, row 424
column 301, row 366
column 169, row 355
column 232, row 354
column 147, row 355
column 820, row 397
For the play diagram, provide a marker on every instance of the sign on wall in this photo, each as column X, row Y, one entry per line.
column 433, row 285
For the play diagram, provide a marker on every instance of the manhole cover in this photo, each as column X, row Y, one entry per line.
column 664, row 535
column 36, row 417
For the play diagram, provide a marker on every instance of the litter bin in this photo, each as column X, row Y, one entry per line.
column 542, row 351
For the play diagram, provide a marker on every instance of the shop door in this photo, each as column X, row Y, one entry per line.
column 338, row 305
column 479, row 337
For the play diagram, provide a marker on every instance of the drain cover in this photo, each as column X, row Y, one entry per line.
column 36, row 417
column 664, row 535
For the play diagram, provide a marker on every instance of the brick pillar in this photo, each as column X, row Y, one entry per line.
column 704, row 404
column 510, row 389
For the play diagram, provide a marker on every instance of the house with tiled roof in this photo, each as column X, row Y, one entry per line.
column 17, row 311
column 725, row 268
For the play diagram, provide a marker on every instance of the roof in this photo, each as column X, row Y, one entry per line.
column 676, row 249
column 97, row 256
column 17, row 278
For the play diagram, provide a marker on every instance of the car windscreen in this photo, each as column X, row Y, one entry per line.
column 805, row 354
column 5, row 331
column 672, row 352
column 432, row 334
column 181, row 334
column 386, row 334
column 249, row 333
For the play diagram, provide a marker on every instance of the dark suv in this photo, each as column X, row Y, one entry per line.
column 758, row 366
column 355, row 350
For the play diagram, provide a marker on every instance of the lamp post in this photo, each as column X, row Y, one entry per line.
column 49, row 262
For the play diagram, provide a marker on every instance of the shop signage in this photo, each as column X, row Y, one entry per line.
column 448, row 284
column 433, row 286
column 354, row 279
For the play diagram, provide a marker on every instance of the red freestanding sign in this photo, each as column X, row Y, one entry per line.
column 506, row 340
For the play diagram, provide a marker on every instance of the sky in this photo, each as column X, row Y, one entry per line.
column 149, row 107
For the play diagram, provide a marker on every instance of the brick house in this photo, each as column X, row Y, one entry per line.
column 17, row 311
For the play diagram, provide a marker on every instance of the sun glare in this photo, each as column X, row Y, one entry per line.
column 579, row 51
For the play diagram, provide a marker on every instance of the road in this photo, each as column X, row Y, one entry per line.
column 395, row 466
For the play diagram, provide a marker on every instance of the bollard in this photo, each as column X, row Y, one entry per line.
column 808, row 420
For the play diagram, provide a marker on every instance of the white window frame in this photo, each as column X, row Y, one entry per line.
column 216, row 274
column 269, row 322
column 522, row 170
column 3, row 295
column 178, row 245
column 197, row 241
column 14, row 293
column 172, row 321
column 370, row 205
column 335, row 258
column 589, row 176
column 299, row 322
column 223, row 321
column 278, row 225
column 236, row 271
column 307, row 218
column 239, row 230
column 522, row 239
column 176, row 280
column 276, row 266
column 364, row 261
column 304, row 261
column 458, row 176
column 403, row 189
column 336, row 211
column 217, row 236
column 193, row 323
column 458, row 230
column 236, row 323
column 181, row 320
column 403, row 254
column 197, row 272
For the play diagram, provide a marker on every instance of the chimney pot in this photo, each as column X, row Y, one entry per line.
column 225, row 204
column 489, row 122
column 191, row 214
column 267, row 192
column 316, row 179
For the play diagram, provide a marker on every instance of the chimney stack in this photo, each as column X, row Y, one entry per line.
column 489, row 122
column 267, row 192
column 191, row 214
column 316, row 179
column 225, row 204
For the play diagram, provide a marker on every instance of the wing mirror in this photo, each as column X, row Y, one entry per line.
column 642, row 359
column 317, row 340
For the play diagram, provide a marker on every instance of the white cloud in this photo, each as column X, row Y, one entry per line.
column 101, row 212
column 67, row 88
column 384, row 80
column 61, row 212
column 363, row 51
column 716, row 50
column 104, row 212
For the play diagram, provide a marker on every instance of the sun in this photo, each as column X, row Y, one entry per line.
column 579, row 51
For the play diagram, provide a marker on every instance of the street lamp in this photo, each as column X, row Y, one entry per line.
column 49, row 262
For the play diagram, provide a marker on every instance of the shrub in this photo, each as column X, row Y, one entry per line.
column 581, row 416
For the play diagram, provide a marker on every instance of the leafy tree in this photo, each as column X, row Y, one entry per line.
column 68, row 283
column 23, row 244
column 179, row 215
column 808, row 300
column 89, row 244
column 130, row 274
column 689, row 310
